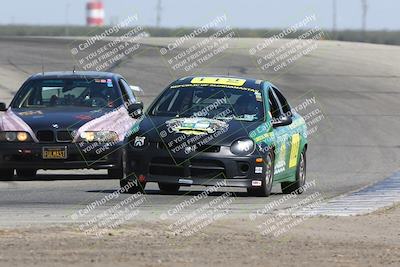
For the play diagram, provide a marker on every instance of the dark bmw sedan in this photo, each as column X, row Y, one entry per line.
column 67, row 120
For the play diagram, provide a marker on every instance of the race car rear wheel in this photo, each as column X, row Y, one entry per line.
column 169, row 188
column 26, row 173
column 265, row 189
column 289, row 187
column 6, row 174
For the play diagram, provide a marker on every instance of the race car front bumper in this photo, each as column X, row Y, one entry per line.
column 155, row 164
column 30, row 156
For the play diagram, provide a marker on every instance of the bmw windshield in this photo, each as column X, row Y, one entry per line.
column 211, row 101
column 52, row 93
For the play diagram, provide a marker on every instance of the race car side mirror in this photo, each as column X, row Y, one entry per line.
column 3, row 106
column 135, row 110
column 283, row 121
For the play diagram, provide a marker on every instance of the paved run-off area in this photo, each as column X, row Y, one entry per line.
column 371, row 240
column 357, row 87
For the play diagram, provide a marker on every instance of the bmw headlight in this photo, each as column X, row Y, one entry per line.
column 15, row 136
column 243, row 147
column 99, row 136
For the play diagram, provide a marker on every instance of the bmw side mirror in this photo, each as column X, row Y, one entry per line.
column 3, row 106
column 136, row 90
column 282, row 121
column 135, row 110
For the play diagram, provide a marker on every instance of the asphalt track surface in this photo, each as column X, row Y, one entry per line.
column 357, row 85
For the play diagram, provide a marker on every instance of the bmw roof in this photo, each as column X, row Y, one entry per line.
column 74, row 74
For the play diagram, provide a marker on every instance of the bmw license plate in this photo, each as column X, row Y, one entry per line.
column 55, row 152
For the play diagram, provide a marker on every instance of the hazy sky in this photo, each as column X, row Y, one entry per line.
column 382, row 14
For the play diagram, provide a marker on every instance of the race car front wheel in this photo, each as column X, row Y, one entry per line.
column 132, row 187
column 26, row 173
column 126, row 175
column 115, row 173
column 6, row 174
column 289, row 187
column 169, row 188
column 266, row 187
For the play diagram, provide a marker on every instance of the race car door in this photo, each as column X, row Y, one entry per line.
column 283, row 135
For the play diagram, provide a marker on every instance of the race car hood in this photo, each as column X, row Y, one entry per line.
column 218, row 132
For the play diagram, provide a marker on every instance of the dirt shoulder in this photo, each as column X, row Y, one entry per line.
column 372, row 240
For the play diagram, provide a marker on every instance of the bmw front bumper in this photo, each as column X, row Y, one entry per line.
column 30, row 156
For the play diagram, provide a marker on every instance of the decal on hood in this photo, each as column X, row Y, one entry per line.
column 11, row 122
column 196, row 126
column 118, row 121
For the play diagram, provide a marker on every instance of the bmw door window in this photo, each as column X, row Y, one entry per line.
column 128, row 95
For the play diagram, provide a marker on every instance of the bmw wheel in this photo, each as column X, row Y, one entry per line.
column 6, row 174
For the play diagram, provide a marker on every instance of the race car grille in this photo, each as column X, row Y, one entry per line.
column 208, row 149
column 165, row 166
column 194, row 168
column 204, row 149
column 45, row 136
column 64, row 136
column 205, row 168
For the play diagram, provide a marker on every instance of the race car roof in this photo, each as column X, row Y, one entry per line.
column 75, row 74
column 221, row 79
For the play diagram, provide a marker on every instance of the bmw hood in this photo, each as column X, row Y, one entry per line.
column 78, row 120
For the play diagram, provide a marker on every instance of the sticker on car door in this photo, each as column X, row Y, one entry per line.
column 294, row 152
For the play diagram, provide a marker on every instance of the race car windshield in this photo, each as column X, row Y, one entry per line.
column 244, row 104
column 90, row 93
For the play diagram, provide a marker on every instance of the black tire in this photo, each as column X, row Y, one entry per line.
column 133, row 187
column 169, row 188
column 26, row 173
column 115, row 173
column 6, row 174
column 289, row 187
column 265, row 189
column 128, row 179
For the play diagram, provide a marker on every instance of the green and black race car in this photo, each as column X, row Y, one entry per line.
column 218, row 131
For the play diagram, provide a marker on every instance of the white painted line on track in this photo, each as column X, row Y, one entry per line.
column 383, row 194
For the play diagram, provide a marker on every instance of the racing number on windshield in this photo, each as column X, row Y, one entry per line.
column 294, row 152
column 218, row 80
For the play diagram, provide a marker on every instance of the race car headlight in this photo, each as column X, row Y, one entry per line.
column 100, row 136
column 15, row 136
column 243, row 147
